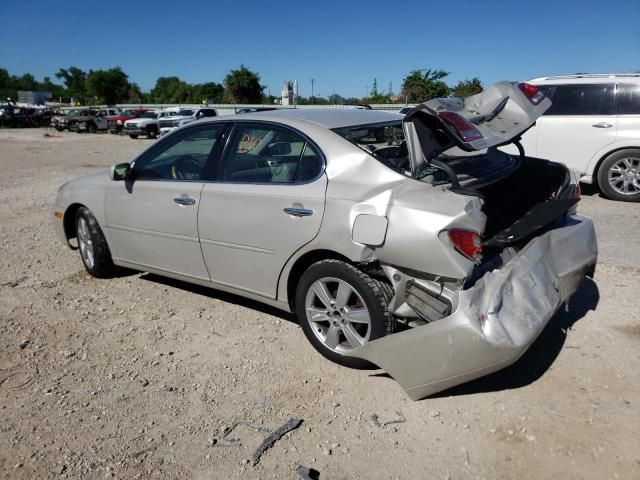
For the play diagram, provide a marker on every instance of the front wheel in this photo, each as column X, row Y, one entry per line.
column 619, row 176
column 133, row 135
column 340, row 308
column 92, row 244
column 91, row 128
column 152, row 133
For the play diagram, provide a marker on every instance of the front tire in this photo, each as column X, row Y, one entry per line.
column 152, row 133
column 91, row 128
column 133, row 135
column 92, row 244
column 340, row 308
column 619, row 176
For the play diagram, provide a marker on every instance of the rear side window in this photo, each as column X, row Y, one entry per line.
column 580, row 99
column 628, row 99
column 269, row 154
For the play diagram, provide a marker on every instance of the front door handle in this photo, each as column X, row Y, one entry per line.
column 298, row 212
column 185, row 201
column 602, row 125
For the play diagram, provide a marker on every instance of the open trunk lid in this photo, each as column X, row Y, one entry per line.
column 497, row 116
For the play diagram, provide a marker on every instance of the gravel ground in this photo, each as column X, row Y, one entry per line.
column 140, row 376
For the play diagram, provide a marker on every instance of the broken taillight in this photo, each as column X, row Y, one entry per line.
column 533, row 93
column 465, row 129
column 468, row 243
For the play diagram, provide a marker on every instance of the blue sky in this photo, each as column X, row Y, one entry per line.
column 342, row 45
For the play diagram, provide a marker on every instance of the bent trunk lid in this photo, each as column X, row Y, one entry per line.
column 497, row 116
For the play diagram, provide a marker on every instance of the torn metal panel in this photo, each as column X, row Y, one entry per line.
column 496, row 320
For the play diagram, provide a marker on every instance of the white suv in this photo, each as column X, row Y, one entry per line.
column 593, row 127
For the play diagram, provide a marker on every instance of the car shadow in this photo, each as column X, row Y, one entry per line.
column 541, row 355
column 219, row 295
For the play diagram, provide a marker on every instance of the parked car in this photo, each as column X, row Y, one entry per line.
column 185, row 116
column 438, row 258
column 61, row 122
column 593, row 127
column 116, row 123
column 91, row 120
column 148, row 123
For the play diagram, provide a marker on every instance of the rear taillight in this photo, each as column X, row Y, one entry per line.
column 465, row 129
column 532, row 92
column 468, row 243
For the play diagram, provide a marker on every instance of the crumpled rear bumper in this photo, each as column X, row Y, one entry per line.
column 496, row 320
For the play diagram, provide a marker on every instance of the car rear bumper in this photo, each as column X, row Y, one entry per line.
column 496, row 320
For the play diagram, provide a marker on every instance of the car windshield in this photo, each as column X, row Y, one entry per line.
column 185, row 112
column 384, row 141
column 72, row 113
column 149, row 115
column 128, row 113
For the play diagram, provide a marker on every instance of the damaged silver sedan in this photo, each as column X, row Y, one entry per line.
column 406, row 242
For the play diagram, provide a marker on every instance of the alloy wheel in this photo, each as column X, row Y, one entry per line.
column 85, row 243
column 337, row 314
column 624, row 176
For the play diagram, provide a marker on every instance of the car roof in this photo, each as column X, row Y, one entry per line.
column 582, row 78
column 326, row 117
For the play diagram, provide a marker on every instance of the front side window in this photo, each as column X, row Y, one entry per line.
column 181, row 156
column 269, row 154
column 580, row 99
column 628, row 99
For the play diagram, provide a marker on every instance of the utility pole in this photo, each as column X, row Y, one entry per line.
column 312, row 82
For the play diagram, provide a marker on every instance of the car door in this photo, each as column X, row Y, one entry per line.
column 580, row 122
column 266, row 203
column 152, row 219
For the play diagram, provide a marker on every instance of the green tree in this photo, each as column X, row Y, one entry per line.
column 74, row 80
column 242, row 86
column 422, row 85
column 107, row 86
column 464, row 88
column 209, row 92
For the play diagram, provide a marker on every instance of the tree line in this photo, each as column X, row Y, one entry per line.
column 240, row 86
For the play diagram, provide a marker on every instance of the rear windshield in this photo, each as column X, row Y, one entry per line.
column 384, row 141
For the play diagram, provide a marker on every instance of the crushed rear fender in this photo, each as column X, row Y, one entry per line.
column 496, row 320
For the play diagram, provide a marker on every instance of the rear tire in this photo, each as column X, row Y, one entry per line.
column 350, row 309
column 92, row 245
column 619, row 176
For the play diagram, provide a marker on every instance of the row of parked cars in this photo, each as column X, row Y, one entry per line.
column 133, row 122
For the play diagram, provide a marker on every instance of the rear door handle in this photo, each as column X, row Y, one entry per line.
column 602, row 125
column 185, row 201
column 298, row 212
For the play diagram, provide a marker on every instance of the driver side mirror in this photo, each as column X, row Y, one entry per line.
column 121, row 171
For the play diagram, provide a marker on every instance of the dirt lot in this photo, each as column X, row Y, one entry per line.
column 139, row 377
